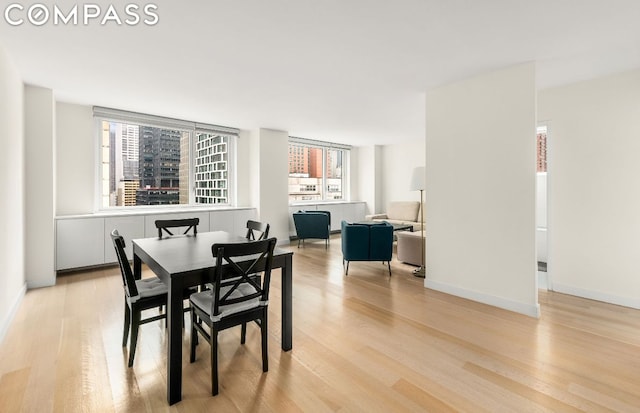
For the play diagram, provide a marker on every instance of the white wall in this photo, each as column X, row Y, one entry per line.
column 353, row 181
column 594, row 176
column 12, row 167
column 480, row 197
column 541, row 216
column 76, row 150
column 365, row 172
column 541, row 200
column 40, row 150
column 271, row 182
column 398, row 162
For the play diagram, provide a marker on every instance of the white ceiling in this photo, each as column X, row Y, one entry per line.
column 348, row 71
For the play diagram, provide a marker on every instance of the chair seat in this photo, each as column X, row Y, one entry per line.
column 149, row 287
column 204, row 301
column 239, row 296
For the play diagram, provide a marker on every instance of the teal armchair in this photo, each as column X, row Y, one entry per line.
column 366, row 242
column 312, row 224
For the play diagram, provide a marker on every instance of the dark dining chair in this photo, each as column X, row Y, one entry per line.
column 228, row 305
column 163, row 225
column 259, row 228
column 139, row 295
column 256, row 231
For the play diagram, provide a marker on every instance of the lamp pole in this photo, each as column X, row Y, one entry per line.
column 420, row 272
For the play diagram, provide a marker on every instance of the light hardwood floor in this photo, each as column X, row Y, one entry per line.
column 362, row 343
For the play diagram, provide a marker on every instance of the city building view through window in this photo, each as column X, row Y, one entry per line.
column 316, row 172
column 541, row 149
column 147, row 165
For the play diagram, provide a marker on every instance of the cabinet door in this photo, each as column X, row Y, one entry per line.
column 232, row 221
column 79, row 242
column 337, row 214
column 354, row 212
column 222, row 221
column 241, row 216
column 130, row 227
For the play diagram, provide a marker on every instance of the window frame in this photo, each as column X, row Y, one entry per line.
column 346, row 170
column 101, row 114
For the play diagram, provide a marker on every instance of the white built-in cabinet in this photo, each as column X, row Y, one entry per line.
column 85, row 241
column 79, row 242
column 348, row 211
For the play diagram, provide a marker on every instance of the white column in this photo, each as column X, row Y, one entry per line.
column 40, row 151
column 270, row 171
column 480, row 189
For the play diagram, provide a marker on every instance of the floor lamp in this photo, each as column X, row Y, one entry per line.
column 417, row 184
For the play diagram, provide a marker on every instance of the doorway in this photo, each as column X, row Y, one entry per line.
column 542, row 136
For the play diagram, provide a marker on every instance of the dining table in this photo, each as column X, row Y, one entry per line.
column 185, row 261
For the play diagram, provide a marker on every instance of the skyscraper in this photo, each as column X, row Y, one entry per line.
column 211, row 168
column 130, row 150
column 159, row 166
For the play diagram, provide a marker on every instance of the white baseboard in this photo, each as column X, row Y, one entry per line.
column 40, row 284
column 522, row 308
column 4, row 327
column 596, row 295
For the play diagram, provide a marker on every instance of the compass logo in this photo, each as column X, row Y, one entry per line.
column 39, row 14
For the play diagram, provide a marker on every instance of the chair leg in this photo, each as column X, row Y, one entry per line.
column 135, row 323
column 347, row 270
column 243, row 333
column 194, row 337
column 127, row 323
column 389, row 264
column 298, row 242
column 214, row 361
column 265, row 353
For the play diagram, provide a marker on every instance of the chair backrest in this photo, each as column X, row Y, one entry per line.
column 128, row 281
column 232, row 264
column 372, row 241
column 312, row 224
column 381, row 241
column 328, row 214
column 163, row 225
column 355, row 241
column 254, row 227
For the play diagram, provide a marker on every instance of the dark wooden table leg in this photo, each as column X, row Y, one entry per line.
column 287, row 304
column 137, row 267
column 174, row 350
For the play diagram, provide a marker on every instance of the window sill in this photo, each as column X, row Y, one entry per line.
column 137, row 211
column 295, row 204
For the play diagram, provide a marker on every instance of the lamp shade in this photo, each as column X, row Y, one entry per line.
column 417, row 179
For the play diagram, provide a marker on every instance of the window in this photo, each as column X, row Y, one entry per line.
column 150, row 160
column 541, row 149
column 317, row 171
